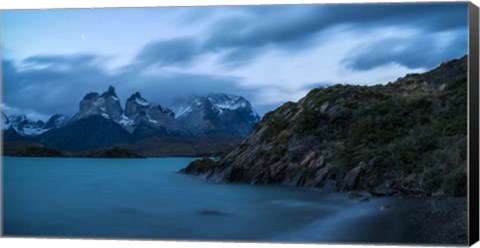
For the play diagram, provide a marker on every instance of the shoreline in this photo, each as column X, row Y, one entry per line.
column 406, row 220
column 426, row 221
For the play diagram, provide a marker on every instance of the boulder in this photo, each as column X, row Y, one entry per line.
column 332, row 185
column 387, row 188
column 308, row 159
column 324, row 107
column 352, row 178
column 359, row 196
column 237, row 175
column 323, row 174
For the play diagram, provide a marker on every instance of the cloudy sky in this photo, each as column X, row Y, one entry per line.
column 268, row 54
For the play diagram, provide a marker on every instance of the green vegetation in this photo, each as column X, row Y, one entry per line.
column 456, row 184
column 200, row 166
column 206, row 163
column 279, row 150
column 275, row 125
column 308, row 122
column 284, row 136
column 398, row 133
column 114, row 152
column 38, row 151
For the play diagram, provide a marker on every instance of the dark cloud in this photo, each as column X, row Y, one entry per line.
column 288, row 26
column 243, row 37
column 421, row 52
column 239, row 57
column 57, row 60
column 163, row 88
column 179, row 51
column 49, row 90
column 51, row 84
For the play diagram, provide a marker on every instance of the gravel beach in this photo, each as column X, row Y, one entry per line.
column 439, row 220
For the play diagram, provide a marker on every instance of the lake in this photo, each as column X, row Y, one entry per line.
column 148, row 199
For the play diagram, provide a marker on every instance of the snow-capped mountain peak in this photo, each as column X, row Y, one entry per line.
column 216, row 113
column 135, row 104
column 228, row 102
column 182, row 110
column 5, row 122
column 107, row 105
column 193, row 115
column 27, row 127
column 55, row 121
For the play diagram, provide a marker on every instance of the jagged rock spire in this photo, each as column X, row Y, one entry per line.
column 134, row 96
column 107, row 104
column 110, row 92
column 135, row 104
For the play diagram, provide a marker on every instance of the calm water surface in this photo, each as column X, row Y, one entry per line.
column 148, row 199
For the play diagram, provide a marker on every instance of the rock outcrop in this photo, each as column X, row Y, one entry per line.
column 55, row 121
column 106, row 104
column 135, row 105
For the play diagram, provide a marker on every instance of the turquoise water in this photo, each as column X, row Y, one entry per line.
column 148, row 199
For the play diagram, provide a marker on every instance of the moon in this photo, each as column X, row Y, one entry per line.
column 83, row 37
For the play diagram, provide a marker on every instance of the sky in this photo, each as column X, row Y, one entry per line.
column 267, row 54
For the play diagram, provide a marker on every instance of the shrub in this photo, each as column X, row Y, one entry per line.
column 308, row 122
column 456, row 184
column 284, row 136
column 279, row 150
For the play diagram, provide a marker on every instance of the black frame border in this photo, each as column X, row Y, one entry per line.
column 473, row 139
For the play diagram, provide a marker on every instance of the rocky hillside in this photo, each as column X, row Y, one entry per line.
column 403, row 138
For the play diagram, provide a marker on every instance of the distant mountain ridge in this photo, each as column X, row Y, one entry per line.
column 26, row 127
column 89, row 133
column 102, row 122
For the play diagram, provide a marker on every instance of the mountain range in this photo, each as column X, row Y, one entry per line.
column 101, row 122
column 23, row 126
